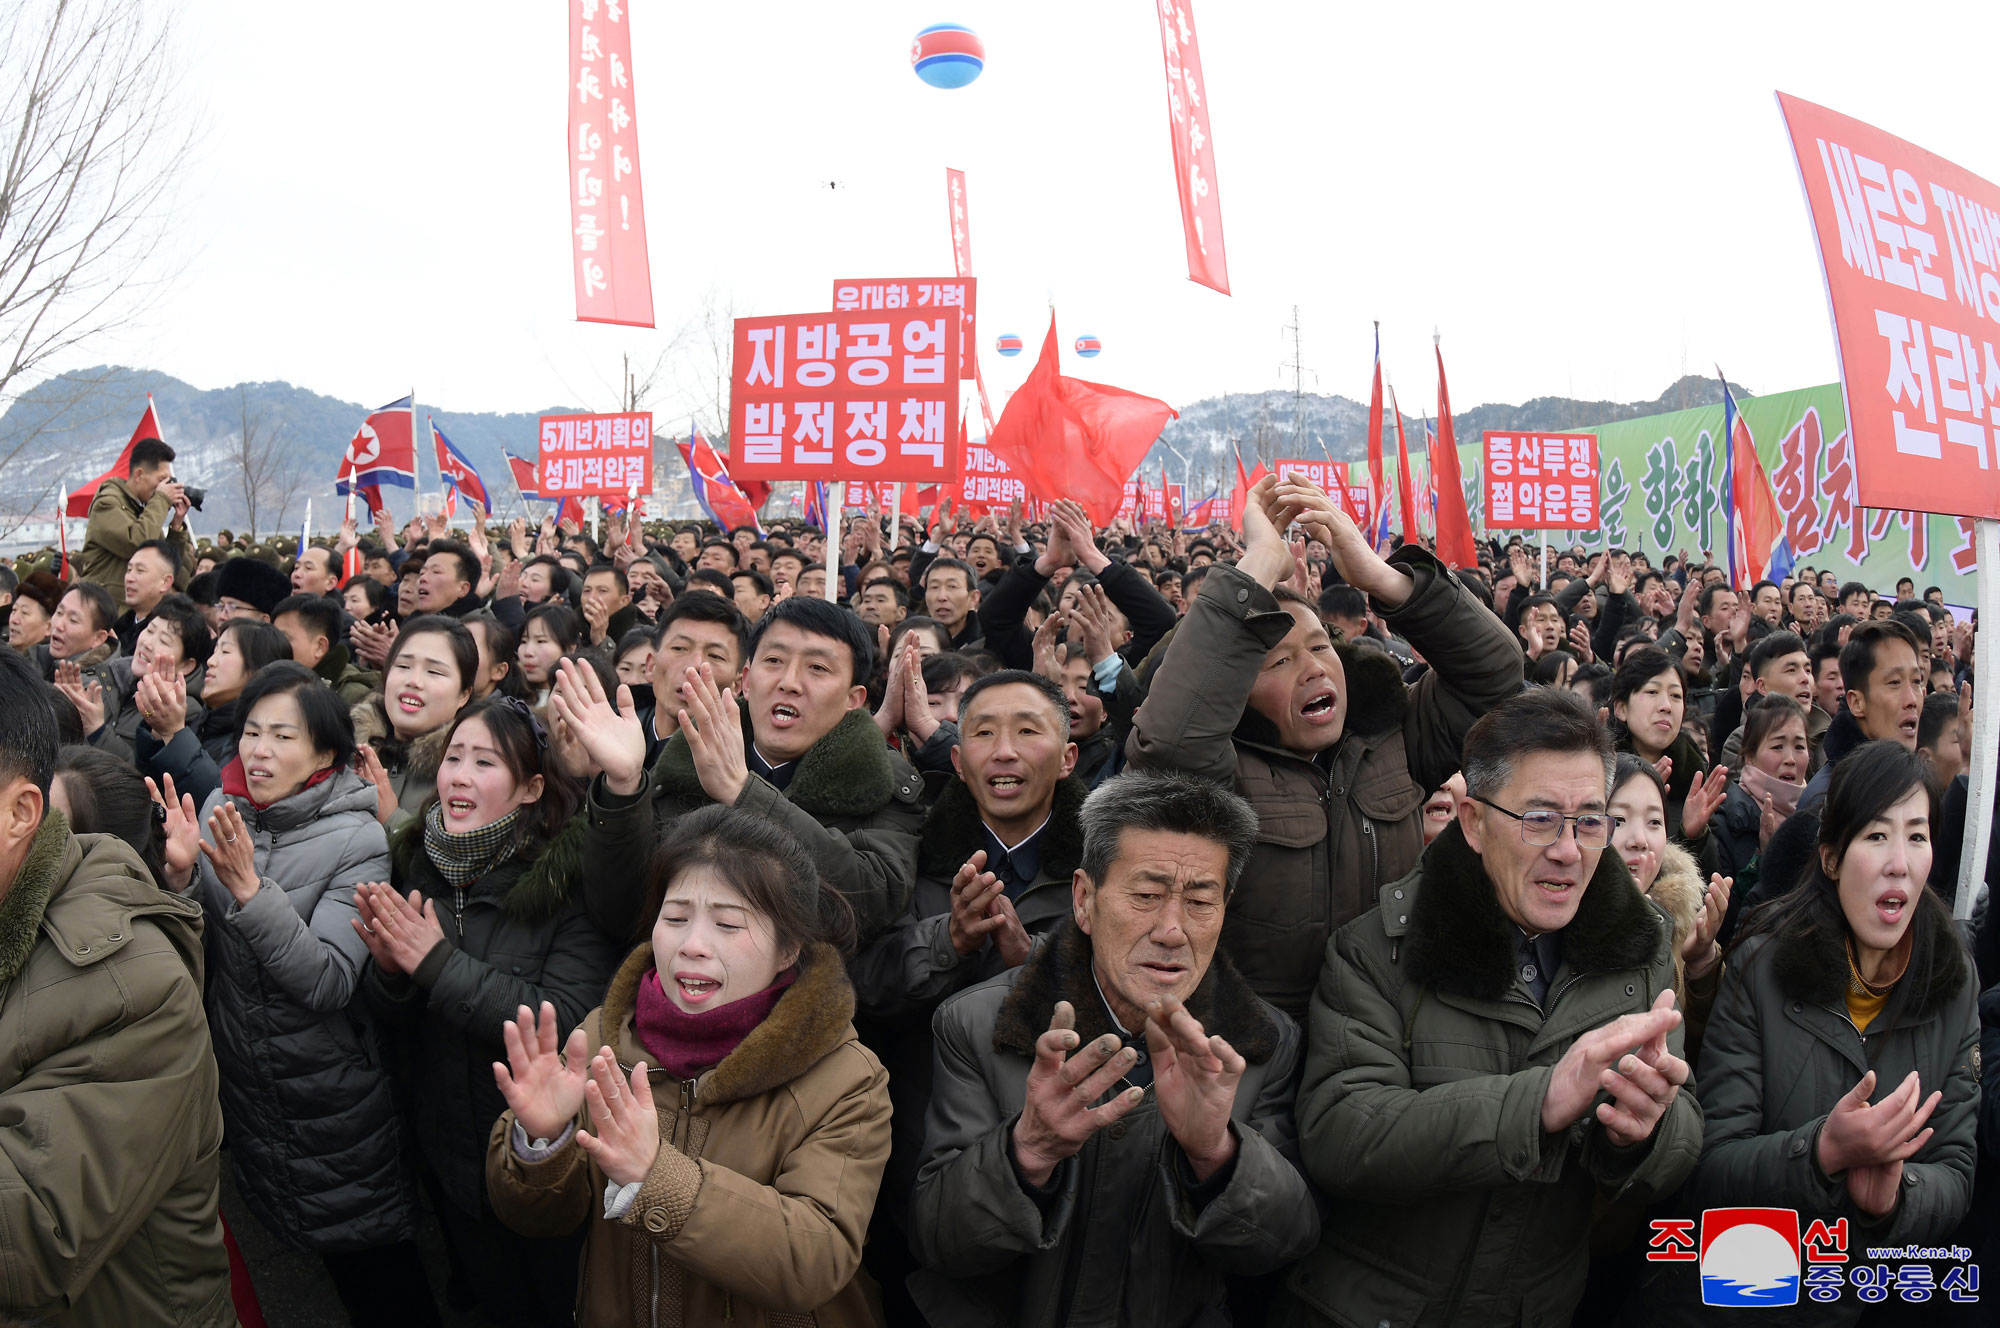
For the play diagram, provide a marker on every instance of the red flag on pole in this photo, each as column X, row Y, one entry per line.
column 1455, row 545
column 1194, row 149
column 1378, row 490
column 1406, row 494
column 961, row 262
column 1067, row 437
column 1239, row 501
column 78, row 503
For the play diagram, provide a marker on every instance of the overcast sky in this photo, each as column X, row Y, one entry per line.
column 1587, row 200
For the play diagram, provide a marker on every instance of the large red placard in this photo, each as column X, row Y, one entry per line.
column 1330, row 476
column 1910, row 246
column 1541, row 481
column 962, row 293
column 846, row 396
column 607, row 208
column 1194, row 149
column 600, row 455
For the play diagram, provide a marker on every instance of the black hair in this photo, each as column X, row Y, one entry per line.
column 1940, row 709
column 1541, row 719
column 318, row 613
column 148, row 452
column 635, row 638
column 103, row 608
column 1341, row 600
column 708, row 544
column 1705, row 601
column 257, row 643
column 559, row 573
column 502, row 646
column 1051, row 693
column 28, row 735
column 1752, row 595
column 1776, row 646
column 964, row 567
column 1858, row 657
column 166, row 550
column 1548, row 669
column 107, row 796
column 624, row 584
column 523, row 746
column 819, row 618
column 1854, row 588
column 1764, row 715
column 946, row 668
column 1631, row 767
column 464, row 650
column 899, row 591
column 717, row 581
column 1640, row 667
column 377, row 594
column 190, row 623
column 760, row 582
column 917, row 622
column 709, row 609
column 328, row 726
column 765, row 863
column 468, row 566
column 563, row 624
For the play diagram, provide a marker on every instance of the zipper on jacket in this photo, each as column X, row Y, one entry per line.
column 1374, row 856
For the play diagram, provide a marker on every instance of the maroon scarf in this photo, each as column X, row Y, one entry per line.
column 685, row 1044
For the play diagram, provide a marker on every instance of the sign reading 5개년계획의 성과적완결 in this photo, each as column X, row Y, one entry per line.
column 586, row 456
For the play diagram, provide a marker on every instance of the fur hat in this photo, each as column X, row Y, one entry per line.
column 42, row 588
column 252, row 581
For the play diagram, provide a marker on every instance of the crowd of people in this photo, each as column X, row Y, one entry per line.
column 965, row 921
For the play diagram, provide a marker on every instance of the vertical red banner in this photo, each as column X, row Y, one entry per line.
column 961, row 261
column 607, row 210
column 1194, row 150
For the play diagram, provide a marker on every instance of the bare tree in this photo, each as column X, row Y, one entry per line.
column 90, row 110
column 269, row 470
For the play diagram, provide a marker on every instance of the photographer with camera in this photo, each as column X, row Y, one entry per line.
column 150, row 504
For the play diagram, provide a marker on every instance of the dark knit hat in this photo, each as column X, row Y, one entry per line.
column 252, row 581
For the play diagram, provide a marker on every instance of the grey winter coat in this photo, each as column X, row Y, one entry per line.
column 1780, row 1051
column 1123, row 1237
column 306, row 1097
column 516, row 936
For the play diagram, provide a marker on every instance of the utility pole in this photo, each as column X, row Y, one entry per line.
column 1297, row 366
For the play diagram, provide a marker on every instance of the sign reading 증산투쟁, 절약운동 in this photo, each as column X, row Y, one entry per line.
column 1540, row 481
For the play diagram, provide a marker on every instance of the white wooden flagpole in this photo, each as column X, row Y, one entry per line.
column 1985, row 723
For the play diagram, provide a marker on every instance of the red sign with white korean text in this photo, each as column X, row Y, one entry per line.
column 919, row 293
column 961, row 263
column 1194, row 150
column 1910, row 245
column 607, row 208
column 585, row 455
column 1541, row 481
column 985, row 479
column 1331, row 476
column 846, row 396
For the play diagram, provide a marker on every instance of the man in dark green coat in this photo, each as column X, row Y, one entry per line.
column 1490, row 1045
column 799, row 747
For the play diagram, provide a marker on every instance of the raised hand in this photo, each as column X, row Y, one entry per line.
column 542, row 1085
column 369, row 766
column 407, row 929
column 1579, row 641
column 350, row 535
column 229, row 850
column 714, row 729
column 1700, row 952
column 1704, row 795
column 611, row 736
column 1097, row 619
column 626, row 1137
column 1011, row 939
column 1068, row 516
column 371, row 641
column 1056, row 1117
column 1265, row 560
column 1047, row 644
column 507, row 583
column 1194, row 1077
column 889, row 715
column 973, row 918
column 182, row 832
column 87, row 695
column 1587, row 1067
column 162, row 701
column 517, row 537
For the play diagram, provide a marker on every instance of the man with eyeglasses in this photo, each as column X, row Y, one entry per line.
column 1492, row 1044
column 1110, row 1128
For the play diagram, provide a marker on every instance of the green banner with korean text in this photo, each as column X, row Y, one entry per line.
column 1662, row 479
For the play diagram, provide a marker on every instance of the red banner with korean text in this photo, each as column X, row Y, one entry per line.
column 1910, row 247
column 961, row 263
column 1194, row 149
column 852, row 293
column 985, row 481
column 1540, row 481
column 603, row 455
column 607, row 208
column 849, row 396
column 1331, row 476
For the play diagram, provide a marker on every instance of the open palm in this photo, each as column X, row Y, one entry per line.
column 543, row 1086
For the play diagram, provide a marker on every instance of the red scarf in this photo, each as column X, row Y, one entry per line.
column 234, row 784
column 685, row 1044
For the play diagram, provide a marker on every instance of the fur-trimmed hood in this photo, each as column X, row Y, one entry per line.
column 1461, row 942
column 533, row 886
column 1377, row 698
column 813, row 1019
column 847, row 773
column 1813, row 967
column 1677, row 889
column 27, row 897
column 420, row 756
column 953, row 831
column 1060, row 970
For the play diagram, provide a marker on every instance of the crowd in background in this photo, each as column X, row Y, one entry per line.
column 1053, row 924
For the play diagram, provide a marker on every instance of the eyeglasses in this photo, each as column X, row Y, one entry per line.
column 1541, row 828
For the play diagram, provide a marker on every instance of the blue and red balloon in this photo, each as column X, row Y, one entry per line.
column 948, row 55
column 1088, row 346
column 1007, row 344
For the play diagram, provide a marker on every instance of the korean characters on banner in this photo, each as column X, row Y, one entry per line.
column 607, row 209
column 847, row 396
column 1332, row 477
column 985, row 480
column 1540, row 481
column 1194, row 153
column 603, row 455
column 1910, row 245
column 961, row 293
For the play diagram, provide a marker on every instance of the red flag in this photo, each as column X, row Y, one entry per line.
column 607, row 207
column 149, row 427
column 1194, row 150
column 713, row 489
column 1454, row 528
column 1405, row 493
column 1067, row 437
column 1378, row 491
column 1239, row 502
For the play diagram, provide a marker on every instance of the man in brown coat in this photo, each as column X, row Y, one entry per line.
column 148, row 504
column 1327, row 743
column 112, row 1127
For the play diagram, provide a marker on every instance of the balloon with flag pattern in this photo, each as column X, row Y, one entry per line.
column 1088, row 346
column 1007, row 343
column 948, row 55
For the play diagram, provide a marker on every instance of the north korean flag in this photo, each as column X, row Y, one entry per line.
column 457, row 472
column 525, row 478
column 383, row 451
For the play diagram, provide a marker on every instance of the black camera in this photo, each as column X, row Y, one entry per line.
column 194, row 495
